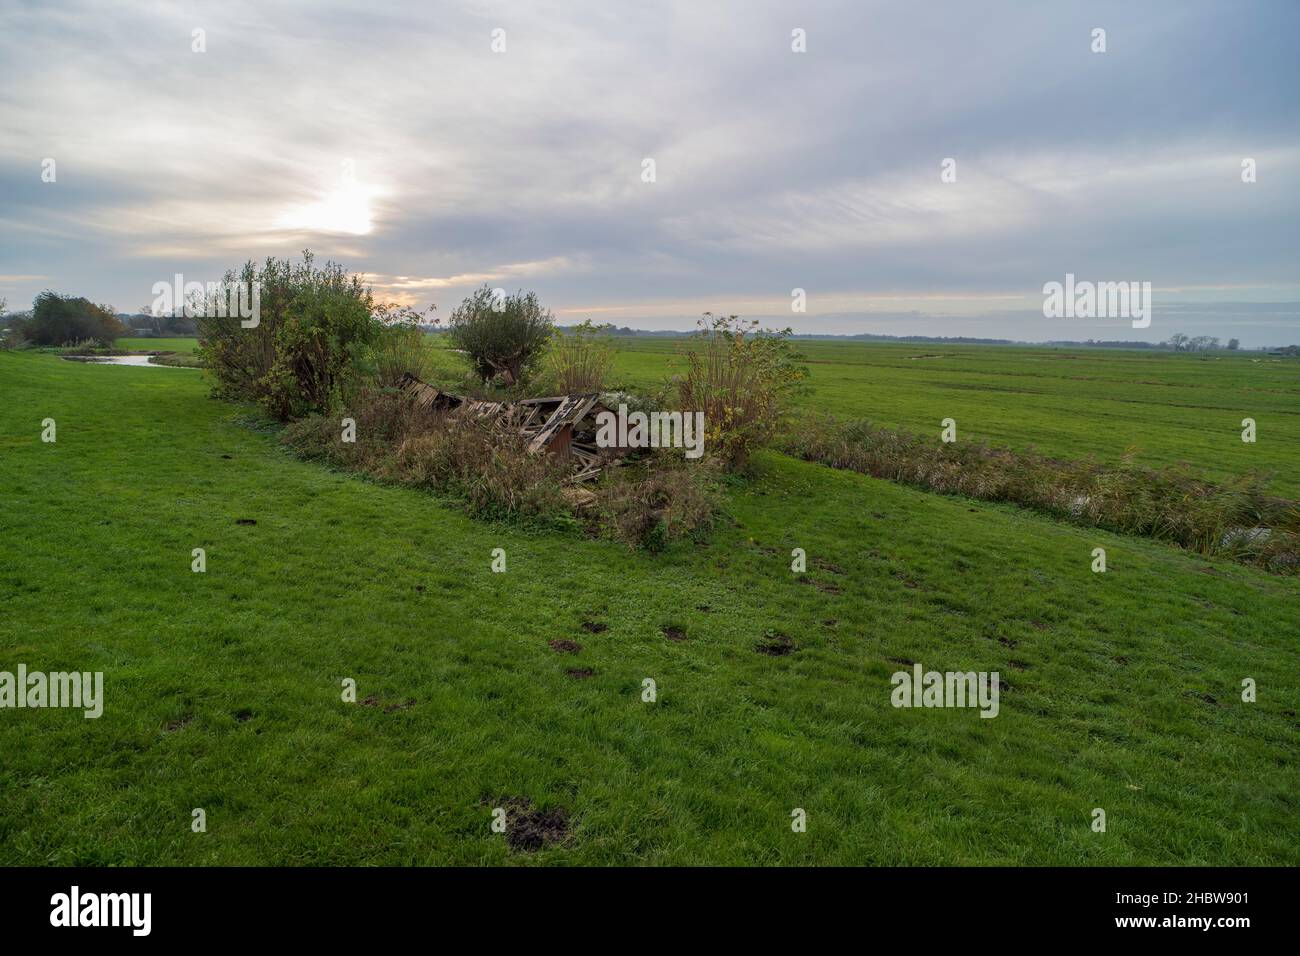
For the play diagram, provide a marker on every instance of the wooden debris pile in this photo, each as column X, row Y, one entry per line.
column 564, row 425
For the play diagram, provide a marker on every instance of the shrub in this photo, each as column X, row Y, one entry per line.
column 63, row 320
column 742, row 379
column 502, row 337
column 579, row 359
column 314, row 325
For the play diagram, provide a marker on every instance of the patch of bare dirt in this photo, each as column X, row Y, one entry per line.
column 529, row 829
column 776, row 644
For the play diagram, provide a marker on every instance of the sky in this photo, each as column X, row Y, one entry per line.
column 439, row 146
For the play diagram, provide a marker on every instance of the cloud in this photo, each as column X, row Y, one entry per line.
column 390, row 136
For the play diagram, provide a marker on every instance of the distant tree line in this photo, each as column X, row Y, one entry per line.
column 1179, row 342
column 146, row 323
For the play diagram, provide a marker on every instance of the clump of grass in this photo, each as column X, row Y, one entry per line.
column 399, row 348
column 177, row 360
column 1169, row 504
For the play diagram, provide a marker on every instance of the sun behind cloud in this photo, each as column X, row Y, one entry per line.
column 345, row 209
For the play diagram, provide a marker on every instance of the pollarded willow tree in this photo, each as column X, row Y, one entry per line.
column 504, row 335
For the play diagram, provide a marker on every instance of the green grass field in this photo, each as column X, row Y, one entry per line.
column 182, row 345
column 1163, row 407
column 223, row 689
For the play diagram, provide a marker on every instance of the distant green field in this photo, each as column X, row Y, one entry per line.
column 222, row 689
column 186, row 345
column 1163, row 407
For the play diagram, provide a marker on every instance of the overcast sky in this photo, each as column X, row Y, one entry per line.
column 393, row 138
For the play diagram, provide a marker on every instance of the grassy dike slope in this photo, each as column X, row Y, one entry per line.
column 222, row 689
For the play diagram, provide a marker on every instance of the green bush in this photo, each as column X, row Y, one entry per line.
column 314, row 327
column 63, row 320
column 503, row 338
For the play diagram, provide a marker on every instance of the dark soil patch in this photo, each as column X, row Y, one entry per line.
column 673, row 632
column 907, row 579
column 174, row 725
column 703, row 607
column 1018, row 665
column 245, row 521
column 1120, row 659
column 905, row 661
column 1039, row 625
column 830, row 622
column 243, row 715
column 420, row 588
column 820, row 585
column 594, row 627
column 775, row 644
column 1201, row 696
column 565, row 647
column 374, row 701
column 1008, row 642
column 827, row 566
column 228, row 457
column 529, row 829
column 581, row 673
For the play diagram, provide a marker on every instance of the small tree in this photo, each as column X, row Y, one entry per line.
column 1234, row 344
column 503, row 335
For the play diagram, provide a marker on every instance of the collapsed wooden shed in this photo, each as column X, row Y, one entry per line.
column 562, row 425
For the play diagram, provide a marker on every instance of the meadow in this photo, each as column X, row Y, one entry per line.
column 1160, row 408
column 1122, row 690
